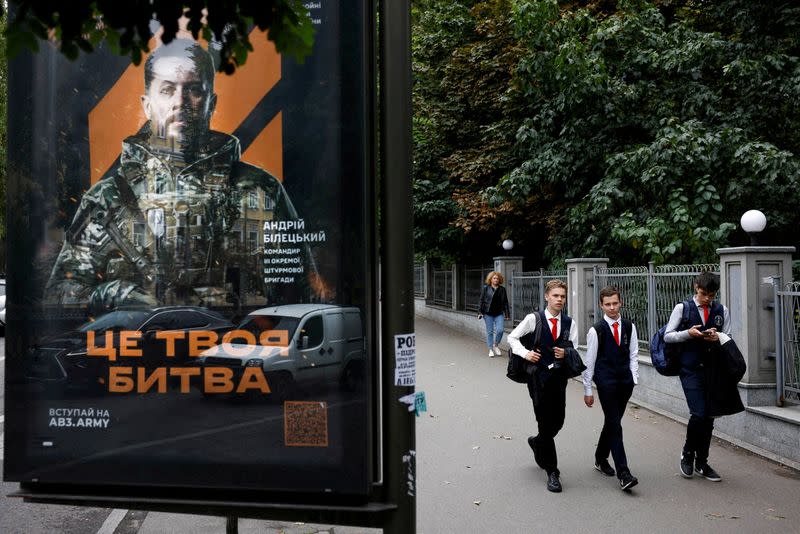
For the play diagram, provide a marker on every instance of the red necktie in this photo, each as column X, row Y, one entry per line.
column 616, row 332
column 555, row 328
column 705, row 314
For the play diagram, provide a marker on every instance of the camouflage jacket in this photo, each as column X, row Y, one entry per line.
column 153, row 231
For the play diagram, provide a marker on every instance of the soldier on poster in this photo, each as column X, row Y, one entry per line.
column 181, row 219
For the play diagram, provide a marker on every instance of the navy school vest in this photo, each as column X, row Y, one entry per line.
column 547, row 343
column 613, row 363
column 694, row 350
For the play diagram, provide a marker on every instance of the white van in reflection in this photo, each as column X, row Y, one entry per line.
column 308, row 344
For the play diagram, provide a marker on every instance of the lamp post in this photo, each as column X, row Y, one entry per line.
column 753, row 222
column 508, row 245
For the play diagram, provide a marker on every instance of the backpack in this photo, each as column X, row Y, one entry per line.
column 666, row 357
column 519, row 369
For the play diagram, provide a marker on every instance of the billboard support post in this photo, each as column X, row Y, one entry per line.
column 396, row 245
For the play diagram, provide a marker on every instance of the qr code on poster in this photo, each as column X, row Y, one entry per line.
column 305, row 424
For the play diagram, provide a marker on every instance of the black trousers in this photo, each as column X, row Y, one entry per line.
column 613, row 399
column 698, row 437
column 549, row 410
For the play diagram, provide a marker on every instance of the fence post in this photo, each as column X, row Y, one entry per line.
column 454, row 286
column 580, row 292
column 507, row 266
column 427, row 270
column 540, row 305
column 746, row 280
column 596, row 284
column 778, row 307
column 652, row 312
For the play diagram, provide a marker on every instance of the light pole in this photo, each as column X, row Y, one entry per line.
column 753, row 222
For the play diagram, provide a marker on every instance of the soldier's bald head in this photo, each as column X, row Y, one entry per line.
column 179, row 98
column 176, row 54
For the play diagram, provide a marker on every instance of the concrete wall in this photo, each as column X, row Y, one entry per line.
column 463, row 321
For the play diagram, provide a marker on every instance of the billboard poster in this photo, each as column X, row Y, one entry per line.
column 189, row 266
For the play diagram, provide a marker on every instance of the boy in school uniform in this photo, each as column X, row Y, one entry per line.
column 612, row 347
column 547, row 385
column 699, row 338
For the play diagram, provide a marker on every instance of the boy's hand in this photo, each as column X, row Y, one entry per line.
column 711, row 334
column 533, row 356
column 589, row 400
column 695, row 331
column 559, row 352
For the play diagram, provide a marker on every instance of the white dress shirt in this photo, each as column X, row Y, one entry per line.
column 528, row 325
column 673, row 335
column 591, row 353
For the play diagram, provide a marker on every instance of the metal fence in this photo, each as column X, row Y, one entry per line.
column 443, row 287
column 649, row 294
column 474, row 280
column 788, row 353
column 527, row 294
column 419, row 280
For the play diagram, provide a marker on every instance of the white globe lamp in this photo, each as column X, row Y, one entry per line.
column 753, row 222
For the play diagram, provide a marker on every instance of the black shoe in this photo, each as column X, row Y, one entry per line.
column 604, row 467
column 627, row 481
column 553, row 482
column 706, row 471
column 687, row 461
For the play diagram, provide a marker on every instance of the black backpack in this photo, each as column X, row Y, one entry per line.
column 519, row 369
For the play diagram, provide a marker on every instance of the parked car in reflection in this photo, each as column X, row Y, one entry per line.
column 61, row 362
column 308, row 344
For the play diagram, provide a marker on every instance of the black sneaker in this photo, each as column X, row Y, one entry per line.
column 604, row 467
column 553, row 482
column 627, row 481
column 687, row 461
column 706, row 471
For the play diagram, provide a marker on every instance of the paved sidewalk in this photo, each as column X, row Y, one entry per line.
column 477, row 474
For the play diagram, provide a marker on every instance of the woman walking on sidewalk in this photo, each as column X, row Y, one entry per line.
column 493, row 309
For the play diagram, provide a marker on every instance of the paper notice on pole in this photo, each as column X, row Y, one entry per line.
column 405, row 358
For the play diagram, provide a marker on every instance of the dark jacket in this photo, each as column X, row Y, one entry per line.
column 695, row 355
column 723, row 371
column 486, row 300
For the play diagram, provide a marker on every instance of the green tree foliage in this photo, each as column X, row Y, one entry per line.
column 80, row 25
column 465, row 121
column 657, row 124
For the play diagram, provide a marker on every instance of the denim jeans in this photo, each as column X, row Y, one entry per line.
column 494, row 329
